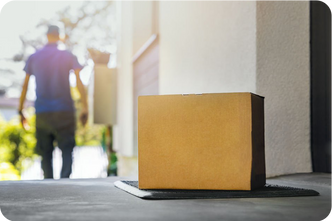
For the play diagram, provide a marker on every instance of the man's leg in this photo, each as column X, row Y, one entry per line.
column 66, row 140
column 66, row 145
column 45, row 149
column 47, row 164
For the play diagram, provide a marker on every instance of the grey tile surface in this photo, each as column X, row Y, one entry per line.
column 98, row 199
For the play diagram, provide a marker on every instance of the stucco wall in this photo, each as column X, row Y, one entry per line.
column 283, row 78
column 259, row 47
column 207, row 47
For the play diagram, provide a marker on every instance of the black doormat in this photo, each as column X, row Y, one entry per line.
column 267, row 191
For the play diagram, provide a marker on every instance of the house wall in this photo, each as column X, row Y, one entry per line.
column 207, row 47
column 283, row 77
column 146, row 80
column 213, row 47
column 244, row 46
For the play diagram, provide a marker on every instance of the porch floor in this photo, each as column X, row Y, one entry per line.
column 98, row 199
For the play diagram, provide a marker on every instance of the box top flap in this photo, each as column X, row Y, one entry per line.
column 200, row 94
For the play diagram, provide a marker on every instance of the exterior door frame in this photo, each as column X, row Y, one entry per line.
column 320, row 86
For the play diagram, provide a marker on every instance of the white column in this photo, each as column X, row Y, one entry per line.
column 123, row 131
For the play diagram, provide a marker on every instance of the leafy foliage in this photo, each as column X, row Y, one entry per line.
column 16, row 145
column 8, row 172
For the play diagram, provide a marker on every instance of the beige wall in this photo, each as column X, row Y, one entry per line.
column 283, row 78
column 244, row 46
column 207, row 47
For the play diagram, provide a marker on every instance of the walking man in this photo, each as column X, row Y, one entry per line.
column 55, row 112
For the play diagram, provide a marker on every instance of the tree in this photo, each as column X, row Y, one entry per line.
column 92, row 25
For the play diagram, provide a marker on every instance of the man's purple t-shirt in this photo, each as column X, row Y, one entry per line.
column 51, row 68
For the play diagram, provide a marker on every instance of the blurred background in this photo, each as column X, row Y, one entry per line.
column 88, row 30
column 280, row 50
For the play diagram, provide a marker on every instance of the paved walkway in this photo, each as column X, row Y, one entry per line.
column 98, row 199
column 88, row 162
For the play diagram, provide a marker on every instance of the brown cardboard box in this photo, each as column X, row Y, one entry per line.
column 203, row 141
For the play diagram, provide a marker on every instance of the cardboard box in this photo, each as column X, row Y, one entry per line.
column 203, row 141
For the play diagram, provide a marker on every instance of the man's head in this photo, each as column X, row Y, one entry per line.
column 53, row 33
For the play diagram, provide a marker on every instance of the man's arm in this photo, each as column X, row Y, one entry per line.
column 22, row 99
column 81, row 89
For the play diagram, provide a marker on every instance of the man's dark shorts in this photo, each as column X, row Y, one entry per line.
column 55, row 126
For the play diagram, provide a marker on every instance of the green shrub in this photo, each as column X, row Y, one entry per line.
column 16, row 145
